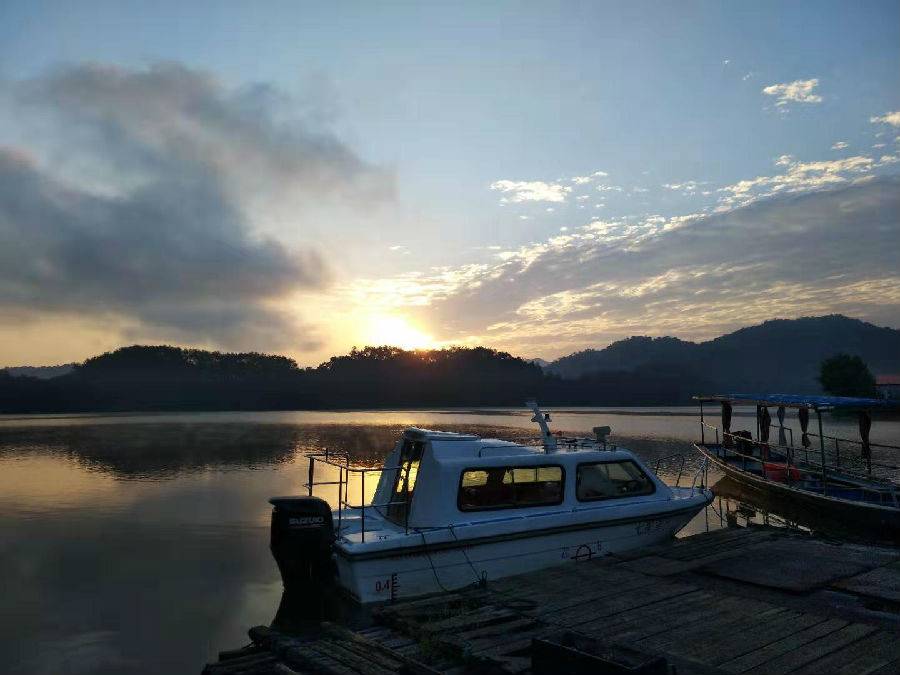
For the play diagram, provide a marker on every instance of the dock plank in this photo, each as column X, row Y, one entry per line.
column 680, row 628
column 786, row 644
column 811, row 651
column 882, row 583
column 712, row 638
column 738, row 644
column 616, row 604
column 867, row 655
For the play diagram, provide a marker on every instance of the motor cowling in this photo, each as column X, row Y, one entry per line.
column 302, row 540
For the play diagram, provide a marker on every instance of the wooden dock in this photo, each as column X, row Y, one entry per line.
column 741, row 600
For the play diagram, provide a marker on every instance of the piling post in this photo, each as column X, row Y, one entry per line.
column 822, row 452
column 362, row 503
column 702, row 426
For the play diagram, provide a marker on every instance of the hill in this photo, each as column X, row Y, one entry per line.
column 40, row 372
column 777, row 355
column 161, row 377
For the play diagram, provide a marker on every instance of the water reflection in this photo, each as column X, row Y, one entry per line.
column 139, row 544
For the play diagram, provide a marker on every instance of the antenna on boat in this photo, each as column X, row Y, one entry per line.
column 542, row 419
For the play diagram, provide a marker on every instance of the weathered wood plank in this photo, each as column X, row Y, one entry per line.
column 588, row 611
column 704, row 547
column 657, row 613
column 786, row 644
column 811, row 651
column 738, row 644
column 711, row 639
column 865, row 656
column 344, row 653
column 882, row 583
column 480, row 617
column 564, row 598
column 679, row 626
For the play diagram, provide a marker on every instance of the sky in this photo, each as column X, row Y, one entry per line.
column 302, row 178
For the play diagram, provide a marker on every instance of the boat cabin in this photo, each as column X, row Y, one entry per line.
column 443, row 478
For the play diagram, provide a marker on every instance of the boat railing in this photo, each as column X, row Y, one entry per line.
column 700, row 475
column 342, row 462
column 789, row 453
column 853, row 463
column 670, row 461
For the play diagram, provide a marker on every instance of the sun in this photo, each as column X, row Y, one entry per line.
column 396, row 331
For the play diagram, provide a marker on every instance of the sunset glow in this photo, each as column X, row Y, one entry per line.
column 314, row 197
column 396, row 331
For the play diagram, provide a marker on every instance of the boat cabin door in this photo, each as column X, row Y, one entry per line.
column 405, row 480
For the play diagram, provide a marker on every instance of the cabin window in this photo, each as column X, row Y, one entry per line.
column 506, row 487
column 405, row 480
column 608, row 480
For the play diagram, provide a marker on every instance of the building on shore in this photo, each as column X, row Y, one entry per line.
column 888, row 386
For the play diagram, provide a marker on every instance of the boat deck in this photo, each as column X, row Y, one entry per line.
column 739, row 600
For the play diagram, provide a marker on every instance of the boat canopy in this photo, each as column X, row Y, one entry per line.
column 802, row 401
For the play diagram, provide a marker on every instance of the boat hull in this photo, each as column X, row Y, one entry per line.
column 427, row 569
column 864, row 520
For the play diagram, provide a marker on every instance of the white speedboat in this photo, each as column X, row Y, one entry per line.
column 451, row 510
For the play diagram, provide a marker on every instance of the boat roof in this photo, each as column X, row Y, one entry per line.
column 805, row 401
column 448, row 445
column 418, row 434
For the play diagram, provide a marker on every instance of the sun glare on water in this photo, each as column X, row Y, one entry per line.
column 397, row 332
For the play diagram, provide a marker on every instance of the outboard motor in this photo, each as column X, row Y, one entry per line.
column 301, row 541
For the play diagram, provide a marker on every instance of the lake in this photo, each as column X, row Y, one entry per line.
column 139, row 543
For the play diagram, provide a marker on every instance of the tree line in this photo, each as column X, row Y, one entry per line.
column 150, row 378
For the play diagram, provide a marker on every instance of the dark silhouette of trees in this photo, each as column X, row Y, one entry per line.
column 392, row 377
column 638, row 371
column 171, row 378
column 846, row 375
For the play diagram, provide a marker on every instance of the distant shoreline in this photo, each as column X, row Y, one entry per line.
column 651, row 410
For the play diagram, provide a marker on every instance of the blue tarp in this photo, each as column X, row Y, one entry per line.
column 800, row 401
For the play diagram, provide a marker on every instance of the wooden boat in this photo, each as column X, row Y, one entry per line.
column 838, row 478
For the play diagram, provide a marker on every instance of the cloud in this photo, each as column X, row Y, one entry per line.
column 800, row 254
column 840, row 145
column 800, row 177
column 892, row 118
column 582, row 180
column 531, row 191
column 816, row 239
column 136, row 204
column 799, row 91
column 689, row 187
column 784, row 160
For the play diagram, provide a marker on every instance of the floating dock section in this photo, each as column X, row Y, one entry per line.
column 755, row 600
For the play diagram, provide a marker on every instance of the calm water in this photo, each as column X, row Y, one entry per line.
column 139, row 543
